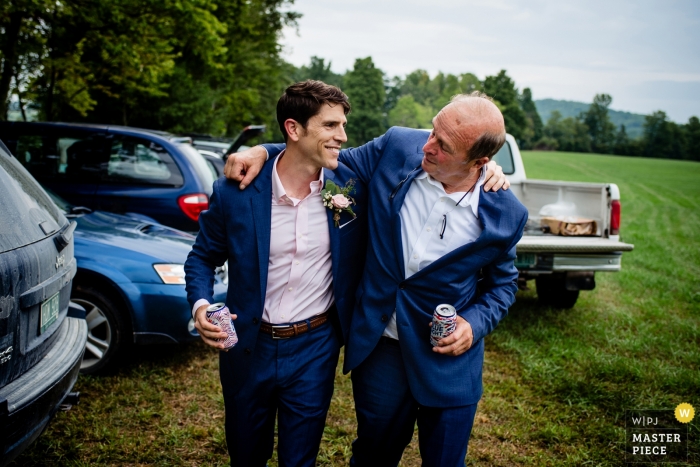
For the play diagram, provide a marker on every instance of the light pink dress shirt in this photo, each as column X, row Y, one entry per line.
column 299, row 272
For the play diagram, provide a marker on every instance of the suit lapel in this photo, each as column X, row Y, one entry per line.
column 408, row 173
column 261, row 204
column 333, row 231
column 489, row 217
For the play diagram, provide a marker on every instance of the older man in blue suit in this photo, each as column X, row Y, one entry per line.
column 433, row 232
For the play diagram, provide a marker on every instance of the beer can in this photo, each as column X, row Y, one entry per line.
column 444, row 323
column 218, row 315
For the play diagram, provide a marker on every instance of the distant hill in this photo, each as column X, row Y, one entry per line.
column 633, row 122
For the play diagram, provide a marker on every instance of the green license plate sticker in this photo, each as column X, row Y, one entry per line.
column 49, row 313
column 523, row 260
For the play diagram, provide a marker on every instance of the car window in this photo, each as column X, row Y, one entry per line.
column 26, row 212
column 504, row 158
column 206, row 173
column 75, row 159
column 140, row 161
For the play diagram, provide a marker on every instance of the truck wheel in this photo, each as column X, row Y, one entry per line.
column 107, row 330
column 552, row 291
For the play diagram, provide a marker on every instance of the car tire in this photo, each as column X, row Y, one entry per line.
column 552, row 291
column 108, row 332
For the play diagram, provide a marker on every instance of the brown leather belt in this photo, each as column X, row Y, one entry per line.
column 286, row 331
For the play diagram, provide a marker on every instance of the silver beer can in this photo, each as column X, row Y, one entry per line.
column 218, row 315
column 444, row 323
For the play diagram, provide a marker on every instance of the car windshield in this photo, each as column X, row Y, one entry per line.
column 207, row 175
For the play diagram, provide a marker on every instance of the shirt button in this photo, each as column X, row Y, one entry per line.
column 415, row 256
column 442, row 200
column 291, row 288
column 296, row 262
column 429, row 229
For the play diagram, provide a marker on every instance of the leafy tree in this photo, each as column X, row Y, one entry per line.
column 657, row 135
column 502, row 89
column 364, row 85
column 319, row 70
column 571, row 134
column 692, row 150
column 180, row 65
column 534, row 126
column 600, row 127
column 418, row 85
column 411, row 114
column 622, row 142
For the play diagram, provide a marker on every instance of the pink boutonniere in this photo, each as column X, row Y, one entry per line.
column 338, row 199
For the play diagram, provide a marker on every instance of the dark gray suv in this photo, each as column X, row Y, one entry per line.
column 42, row 335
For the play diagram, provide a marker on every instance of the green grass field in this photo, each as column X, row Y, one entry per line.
column 557, row 382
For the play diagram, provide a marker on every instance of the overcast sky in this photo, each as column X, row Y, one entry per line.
column 646, row 54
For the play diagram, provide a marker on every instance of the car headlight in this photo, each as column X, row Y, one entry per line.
column 171, row 273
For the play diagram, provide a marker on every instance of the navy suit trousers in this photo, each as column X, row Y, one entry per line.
column 387, row 413
column 291, row 378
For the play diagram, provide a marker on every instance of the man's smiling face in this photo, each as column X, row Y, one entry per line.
column 323, row 136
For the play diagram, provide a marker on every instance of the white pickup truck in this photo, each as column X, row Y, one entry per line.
column 563, row 265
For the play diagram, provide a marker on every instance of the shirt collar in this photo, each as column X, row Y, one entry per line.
column 278, row 191
column 472, row 198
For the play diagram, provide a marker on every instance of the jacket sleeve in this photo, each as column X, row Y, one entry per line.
column 273, row 149
column 208, row 252
column 364, row 160
column 500, row 285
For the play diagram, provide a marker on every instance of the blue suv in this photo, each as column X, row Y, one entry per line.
column 117, row 169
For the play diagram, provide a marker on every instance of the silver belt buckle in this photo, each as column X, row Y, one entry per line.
column 278, row 337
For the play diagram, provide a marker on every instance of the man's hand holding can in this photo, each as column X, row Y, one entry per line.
column 211, row 334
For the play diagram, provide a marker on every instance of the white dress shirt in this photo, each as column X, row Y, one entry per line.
column 422, row 222
column 299, row 271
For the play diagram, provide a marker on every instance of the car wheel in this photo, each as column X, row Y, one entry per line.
column 107, row 330
column 552, row 291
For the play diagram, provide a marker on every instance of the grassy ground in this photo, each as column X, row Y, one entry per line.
column 557, row 382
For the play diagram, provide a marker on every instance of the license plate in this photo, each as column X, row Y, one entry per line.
column 525, row 260
column 49, row 313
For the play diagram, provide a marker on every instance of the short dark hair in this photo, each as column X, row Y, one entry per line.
column 303, row 100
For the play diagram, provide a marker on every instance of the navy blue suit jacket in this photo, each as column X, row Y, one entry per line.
column 236, row 227
column 436, row 380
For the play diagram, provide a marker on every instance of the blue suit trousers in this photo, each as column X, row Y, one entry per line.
column 291, row 379
column 387, row 413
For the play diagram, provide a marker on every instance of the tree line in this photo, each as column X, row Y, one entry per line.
column 214, row 66
column 412, row 101
column 209, row 66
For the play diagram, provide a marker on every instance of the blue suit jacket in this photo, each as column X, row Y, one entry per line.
column 236, row 227
column 435, row 380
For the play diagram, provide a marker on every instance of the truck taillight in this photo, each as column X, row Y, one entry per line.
column 193, row 205
column 615, row 218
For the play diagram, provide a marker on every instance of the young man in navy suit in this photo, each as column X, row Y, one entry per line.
column 294, row 267
column 433, row 231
